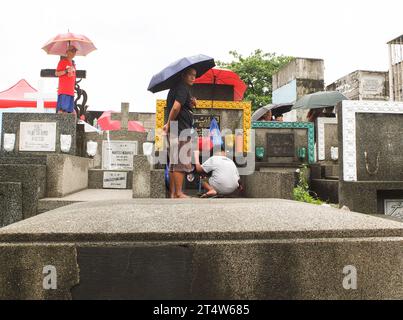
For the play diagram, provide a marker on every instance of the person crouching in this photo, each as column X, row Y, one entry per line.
column 224, row 178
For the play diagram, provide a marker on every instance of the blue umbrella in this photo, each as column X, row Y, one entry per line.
column 168, row 77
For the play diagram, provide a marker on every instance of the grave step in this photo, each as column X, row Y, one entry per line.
column 333, row 178
column 87, row 195
column 326, row 189
column 96, row 178
column 177, row 249
column 38, row 160
column 331, row 171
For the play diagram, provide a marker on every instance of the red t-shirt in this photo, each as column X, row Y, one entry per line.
column 66, row 82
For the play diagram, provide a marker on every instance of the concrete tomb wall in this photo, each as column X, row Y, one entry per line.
column 371, row 155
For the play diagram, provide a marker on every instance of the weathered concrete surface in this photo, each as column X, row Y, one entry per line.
column 157, row 182
column 10, row 203
column 87, row 195
column 66, row 174
column 33, row 180
column 141, row 177
column 299, row 68
column 22, row 267
column 363, row 85
column 203, row 249
column 326, row 190
column 363, row 196
column 270, row 183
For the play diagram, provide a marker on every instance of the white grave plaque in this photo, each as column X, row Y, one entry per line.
column 38, row 136
column 394, row 208
column 118, row 155
column 115, row 180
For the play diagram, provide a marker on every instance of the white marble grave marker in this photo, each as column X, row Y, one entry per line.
column 115, row 180
column 118, row 155
column 37, row 136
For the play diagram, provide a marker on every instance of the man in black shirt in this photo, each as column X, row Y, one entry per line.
column 180, row 104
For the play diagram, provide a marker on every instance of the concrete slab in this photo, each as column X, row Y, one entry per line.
column 95, row 195
column 203, row 249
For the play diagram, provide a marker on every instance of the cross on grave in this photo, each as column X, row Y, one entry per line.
column 40, row 97
column 124, row 116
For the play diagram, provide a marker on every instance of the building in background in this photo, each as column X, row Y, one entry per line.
column 396, row 69
column 363, row 85
column 300, row 77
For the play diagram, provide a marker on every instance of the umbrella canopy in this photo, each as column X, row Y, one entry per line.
column 106, row 123
column 168, row 77
column 59, row 44
column 320, row 99
column 275, row 108
column 224, row 77
column 14, row 97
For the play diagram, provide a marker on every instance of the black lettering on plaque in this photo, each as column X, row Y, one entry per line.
column 280, row 145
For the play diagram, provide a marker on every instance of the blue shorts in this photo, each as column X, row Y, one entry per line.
column 65, row 103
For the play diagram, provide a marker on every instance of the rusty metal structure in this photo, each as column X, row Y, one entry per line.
column 396, row 69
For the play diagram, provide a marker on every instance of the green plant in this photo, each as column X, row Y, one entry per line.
column 256, row 70
column 301, row 192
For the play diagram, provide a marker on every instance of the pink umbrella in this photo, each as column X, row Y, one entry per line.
column 59, row 44
column 106, row 123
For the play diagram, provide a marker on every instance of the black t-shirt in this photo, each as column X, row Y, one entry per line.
column 181, row 93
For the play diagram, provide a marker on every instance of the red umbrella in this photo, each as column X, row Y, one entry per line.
column 205, row 143
column 106, row 123
column 224, row 77
column 59, row 44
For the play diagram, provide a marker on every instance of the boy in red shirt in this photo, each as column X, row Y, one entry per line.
column 66, row 71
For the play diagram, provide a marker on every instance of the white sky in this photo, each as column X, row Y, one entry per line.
column 135, row 39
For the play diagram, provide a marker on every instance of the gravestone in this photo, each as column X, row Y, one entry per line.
column 286, row 139
column 118, row 155
column 280, row 145
column 124, row 117
column 203, row 122
column 232, row 116
column 115, row 152
column 115, row 180
column 38, row 134
column 371, row 155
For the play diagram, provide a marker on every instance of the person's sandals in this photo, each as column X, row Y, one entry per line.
column 210, row 196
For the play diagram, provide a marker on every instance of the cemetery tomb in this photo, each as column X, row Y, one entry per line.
column 281, row 149
column 325, row 173
column 371, row 156
column 39, row 154
column 113, row 162
column 165, row 249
